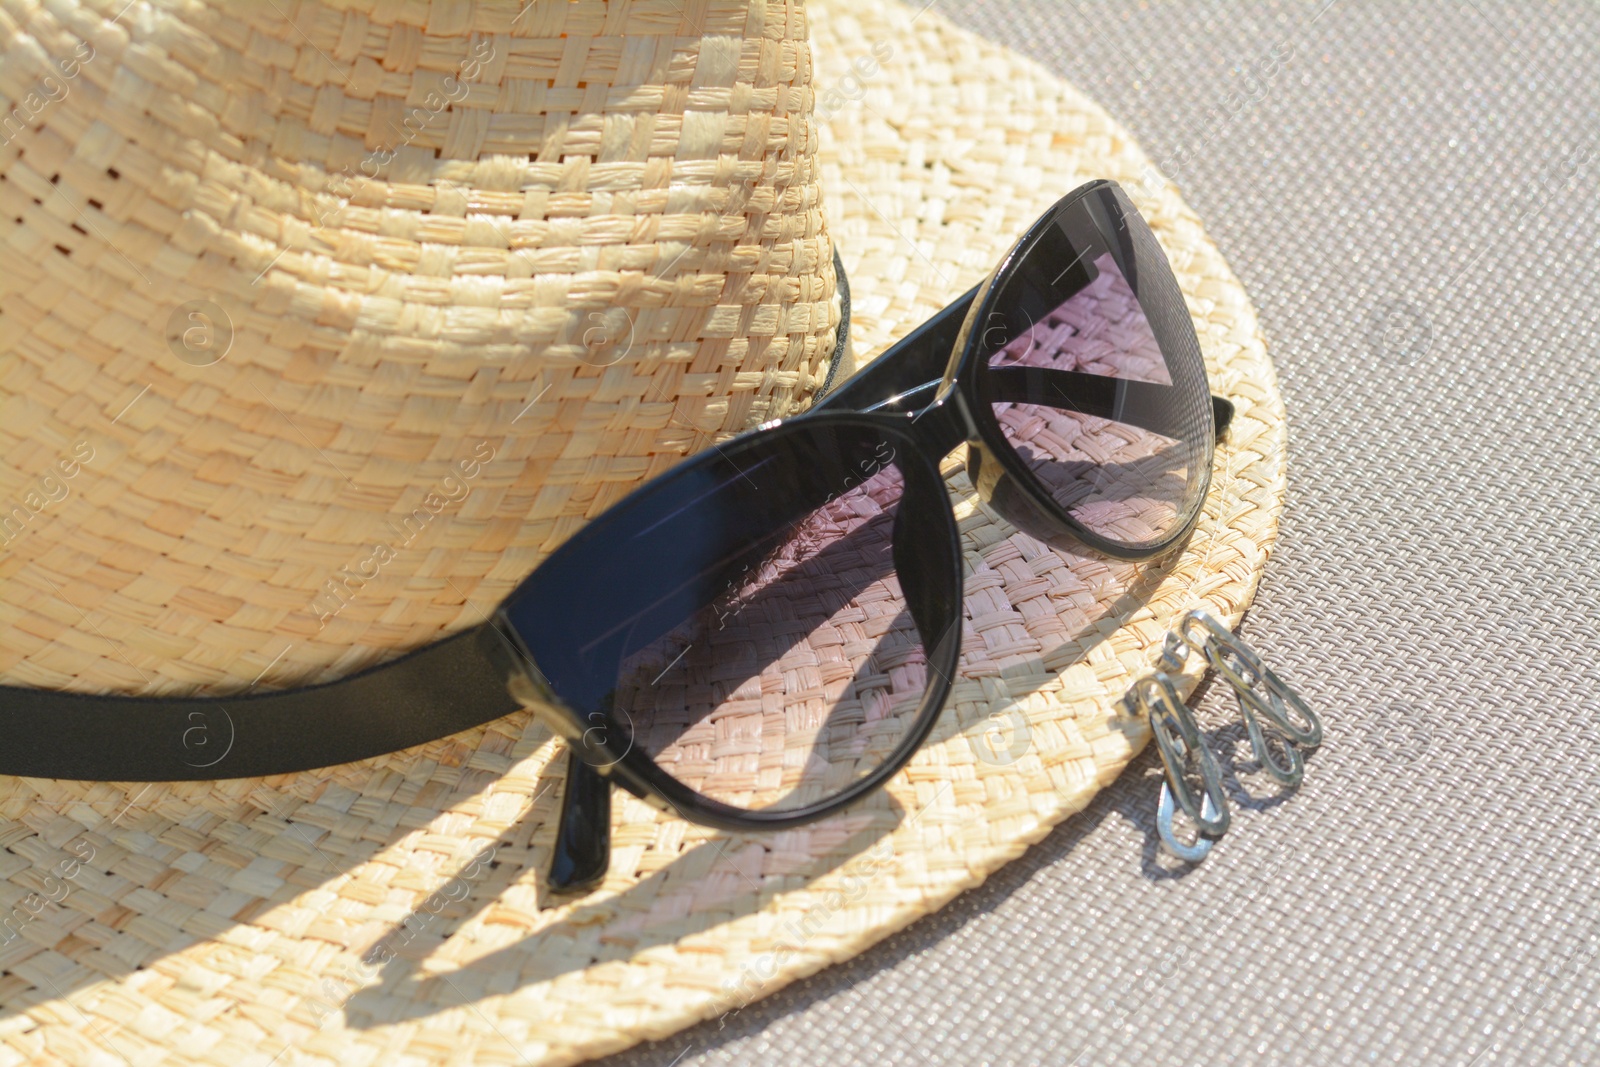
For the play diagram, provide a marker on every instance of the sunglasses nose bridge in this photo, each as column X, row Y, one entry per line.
column 944, row 424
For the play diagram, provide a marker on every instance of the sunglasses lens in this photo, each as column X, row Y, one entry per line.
column 1097, row 381
column 796, row 668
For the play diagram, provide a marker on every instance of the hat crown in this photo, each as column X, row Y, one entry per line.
column 321, row 326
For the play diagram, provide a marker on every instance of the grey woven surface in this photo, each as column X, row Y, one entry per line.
column 1410, row 200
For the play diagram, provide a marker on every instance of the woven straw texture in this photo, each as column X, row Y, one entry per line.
column 274, row 281
column 391, row 911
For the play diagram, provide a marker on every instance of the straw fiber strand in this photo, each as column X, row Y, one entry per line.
column 360, row 310
column 392, row 911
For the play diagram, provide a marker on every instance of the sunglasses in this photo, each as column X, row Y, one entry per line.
column 767, row 632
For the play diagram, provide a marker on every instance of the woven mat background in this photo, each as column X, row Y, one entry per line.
column 1410, row 199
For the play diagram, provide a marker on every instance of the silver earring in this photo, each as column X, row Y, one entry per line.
column 1263, row 698
column 1179, row 743
column 1262, row 694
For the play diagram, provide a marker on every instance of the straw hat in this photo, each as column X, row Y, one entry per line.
column 268, row 287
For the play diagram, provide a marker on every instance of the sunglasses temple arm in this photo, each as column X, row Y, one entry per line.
column 1221, row 414
column 918, row 361
column 583, row 834
column 1136, row 403
column 915, row 361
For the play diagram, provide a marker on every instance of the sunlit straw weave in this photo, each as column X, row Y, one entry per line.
column 361, row 315
column 391, row 911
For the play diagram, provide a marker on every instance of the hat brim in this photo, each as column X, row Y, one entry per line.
column 397, row 903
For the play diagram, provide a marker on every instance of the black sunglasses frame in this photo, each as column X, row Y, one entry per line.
column 928, row 394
